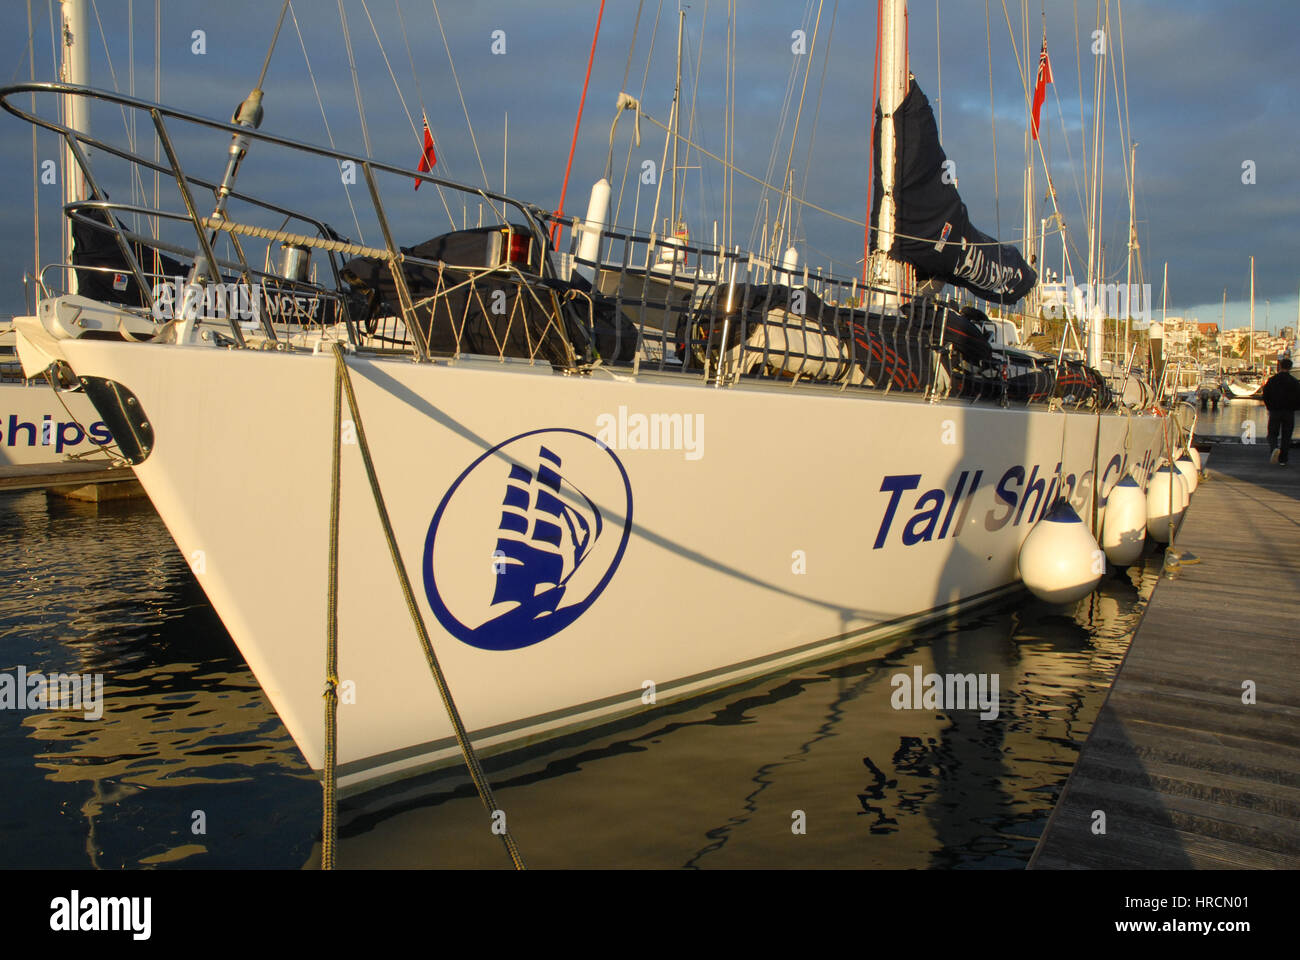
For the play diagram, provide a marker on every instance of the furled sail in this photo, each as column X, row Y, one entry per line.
column 930, row 208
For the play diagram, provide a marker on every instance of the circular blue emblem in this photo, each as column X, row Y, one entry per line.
column 526, row 538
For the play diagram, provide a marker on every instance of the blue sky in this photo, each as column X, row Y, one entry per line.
column 1210, row 85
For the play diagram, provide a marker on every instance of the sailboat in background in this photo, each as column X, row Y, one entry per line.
column 43, row 426
column 1247, row 384
column 818, row 462
column 37, row 425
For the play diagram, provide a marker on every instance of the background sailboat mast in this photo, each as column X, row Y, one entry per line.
column 1132, row 241
column 893, row 88
column 76, row 111
column 1223, row 313
column 677, row 120
column 1252, row 311
column 1031, row 207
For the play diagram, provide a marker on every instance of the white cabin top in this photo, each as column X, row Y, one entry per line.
column 1002, row 333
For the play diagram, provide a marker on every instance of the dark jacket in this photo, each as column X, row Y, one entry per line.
column 1282, row 393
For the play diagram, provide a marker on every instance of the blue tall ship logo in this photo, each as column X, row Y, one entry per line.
column 553, row 549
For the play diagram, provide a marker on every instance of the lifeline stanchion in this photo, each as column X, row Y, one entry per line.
column 462, row 737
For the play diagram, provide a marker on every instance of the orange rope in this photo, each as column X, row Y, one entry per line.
column 555, row 229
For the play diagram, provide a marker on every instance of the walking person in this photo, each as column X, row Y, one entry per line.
column 1282, row 398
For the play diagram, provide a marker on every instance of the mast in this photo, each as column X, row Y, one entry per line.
column 670, row 137
column 1031, row 217
column 1031, row 222
column 76, row 112
column 1164, row 296
column 677, row 120
column 1223, row 312
column 1252, row 312
column 1094, row 318
column 1031, row 211
column 1132, row 241
column 893, row 88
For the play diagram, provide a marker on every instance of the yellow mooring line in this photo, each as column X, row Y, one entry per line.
column 329, row 833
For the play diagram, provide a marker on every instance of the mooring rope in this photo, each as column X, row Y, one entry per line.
column 426, row 644
column 329, row 780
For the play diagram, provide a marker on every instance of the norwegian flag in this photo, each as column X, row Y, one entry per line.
column 427, row 158
column 1040, row 91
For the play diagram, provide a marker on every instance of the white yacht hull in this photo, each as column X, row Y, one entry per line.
column 765, row 538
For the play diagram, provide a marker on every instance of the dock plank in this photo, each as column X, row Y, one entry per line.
column 73, row 473
column 1187, row 774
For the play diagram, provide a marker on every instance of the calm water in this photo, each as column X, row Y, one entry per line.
column 187, row 737
column 1227, row 420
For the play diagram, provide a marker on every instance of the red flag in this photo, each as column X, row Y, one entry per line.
column 1040, row 91
column 427, row 159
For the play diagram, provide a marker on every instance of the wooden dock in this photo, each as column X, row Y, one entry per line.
column 93, row 480
column 1185, row 773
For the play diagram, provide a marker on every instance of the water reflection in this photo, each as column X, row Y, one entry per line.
column 722, row 783
column 1226, row 421
column 101, row 589
column 716, row 782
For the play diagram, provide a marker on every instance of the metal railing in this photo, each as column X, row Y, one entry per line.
column 644, row 301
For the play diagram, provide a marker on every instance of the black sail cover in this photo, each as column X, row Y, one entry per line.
column 952, row 249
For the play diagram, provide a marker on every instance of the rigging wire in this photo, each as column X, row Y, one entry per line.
column 415, row 77
column 55, row 71
column 1069, row 155
column 871, row 150
column 460, row 93
column 1119, row 119
column 663, row 159
column 749, row 176
column 1024, row 84
column 728, row 130
column 1098, row 103
column 645, row 76
column 36, row 199
column 361, row 237
column 938, row 63
column 157, row 141
column 798, row 115
column 1126, row 123
column 135, row 176
column 418, row 134
column 415, row 132
column 130, row 86
column 730, row 108
column 1078, row 70
column 812, row 139
column 631, row 49
column 777, row 139
column 356, row 86
column 261, row 77
column 993, row 123
column 695, row 90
